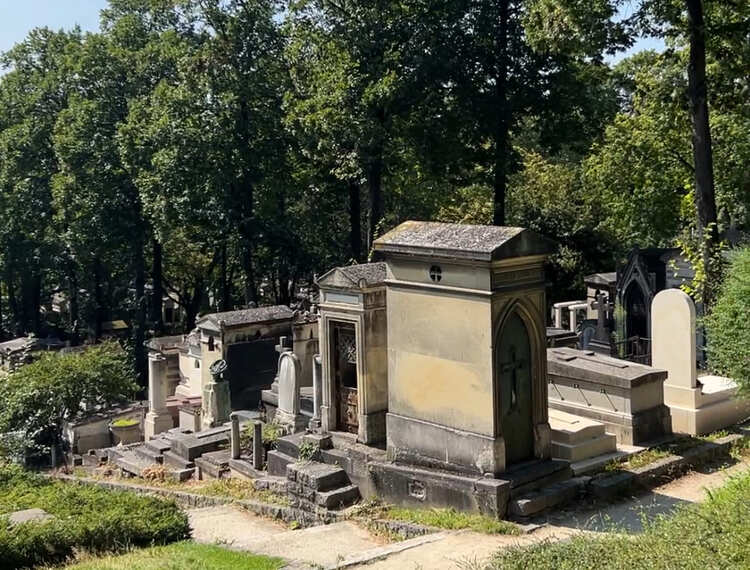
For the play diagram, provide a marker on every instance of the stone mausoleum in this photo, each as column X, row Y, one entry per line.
column 467, row 386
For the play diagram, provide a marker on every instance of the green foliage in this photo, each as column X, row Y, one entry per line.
column 709, row 535
column 40, row 396
column 125, row 422
column 308, row 450
column 180, row 556
column 728, row 324
column 271, row 433
column 85, row 518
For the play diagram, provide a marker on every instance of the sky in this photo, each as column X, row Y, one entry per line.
column 18, row 17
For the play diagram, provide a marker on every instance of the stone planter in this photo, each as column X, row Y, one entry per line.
column 125, row 432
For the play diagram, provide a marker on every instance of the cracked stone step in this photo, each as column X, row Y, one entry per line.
column 317, row 476
column 337, row 498
column 551, row 496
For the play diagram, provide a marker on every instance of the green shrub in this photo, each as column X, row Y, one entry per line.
column 85, row 518
column 39, row 397
column 714, row 534
column 728, row 324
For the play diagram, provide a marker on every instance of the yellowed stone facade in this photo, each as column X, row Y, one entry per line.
column 451, row 293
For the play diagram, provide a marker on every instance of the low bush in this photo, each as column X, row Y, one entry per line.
column 85, row 518
column 714, row 534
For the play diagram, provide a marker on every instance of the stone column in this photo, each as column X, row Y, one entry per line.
column 315, row 424
column 235, row 435
column 558, row 316
column 258, row 451
column 158, row 418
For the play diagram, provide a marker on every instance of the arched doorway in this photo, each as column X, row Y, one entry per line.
column 513, row 365
column 637, row 312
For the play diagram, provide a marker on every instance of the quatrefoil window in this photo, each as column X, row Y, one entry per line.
column 436, row 274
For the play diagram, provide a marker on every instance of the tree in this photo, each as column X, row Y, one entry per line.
column 32, row 93
column 56, row 388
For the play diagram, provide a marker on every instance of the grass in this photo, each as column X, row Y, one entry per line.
column 158, row 476
column 677, row 447
column 179, row 556
column 714, row 534
column 85, row 518
column 449, row 519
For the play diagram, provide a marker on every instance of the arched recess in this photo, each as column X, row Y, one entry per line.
column 507, row 322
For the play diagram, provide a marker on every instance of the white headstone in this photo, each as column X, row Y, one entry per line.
column 289, row 383
column 673, row 337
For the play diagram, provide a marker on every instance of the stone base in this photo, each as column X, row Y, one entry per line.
column 156, row 423
column 291, row 423
column 414, row 487
column 707, row 408
column 575, row 438
column 216, row 404
column 418, row 442
column 629, row 429
column 372, row 428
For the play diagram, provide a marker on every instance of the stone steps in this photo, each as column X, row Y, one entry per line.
column 338, row 498
column 191, row 446
column 312, row 484
column 149, row 454
column 173, row 460
column 214, row 465
column 276, row 463
column 289, row 445
column 130, row 462
column 604, row 444
column 550, row 496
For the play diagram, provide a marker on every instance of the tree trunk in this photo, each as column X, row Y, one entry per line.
column 705, row 198
column 139, row 331
column 224, row 302
column 157, row 292
column 193, row 305
column 502, row 123
column 375, row 185
column 98, row 301
column 12, row 301
column 74, row 305
column 355, row 221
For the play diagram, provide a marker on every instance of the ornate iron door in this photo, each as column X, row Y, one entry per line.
column 346, row 377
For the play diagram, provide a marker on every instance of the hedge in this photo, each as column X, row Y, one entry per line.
column 85, row 518
column 728, row 324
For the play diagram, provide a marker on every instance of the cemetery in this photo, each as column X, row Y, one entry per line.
column 332, row 285
column 427, row 379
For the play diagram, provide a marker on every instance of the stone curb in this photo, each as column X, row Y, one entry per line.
column 661, row 470
column 406, row 530
column 195, row 500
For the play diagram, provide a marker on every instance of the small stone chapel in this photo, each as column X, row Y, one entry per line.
column 467, row 382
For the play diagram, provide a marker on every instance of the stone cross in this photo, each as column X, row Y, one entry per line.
column 603, row 308
column 513, row 366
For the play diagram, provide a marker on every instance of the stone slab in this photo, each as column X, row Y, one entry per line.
column 317, row 476
column 571, row 429
column 276, row 462
column 337, row 498
column 603, row 445
column 29, row 515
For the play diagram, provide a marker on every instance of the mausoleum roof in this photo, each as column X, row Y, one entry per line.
column 361, row 276
column 242, row 317
column 463, row 241
column 603, row 279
